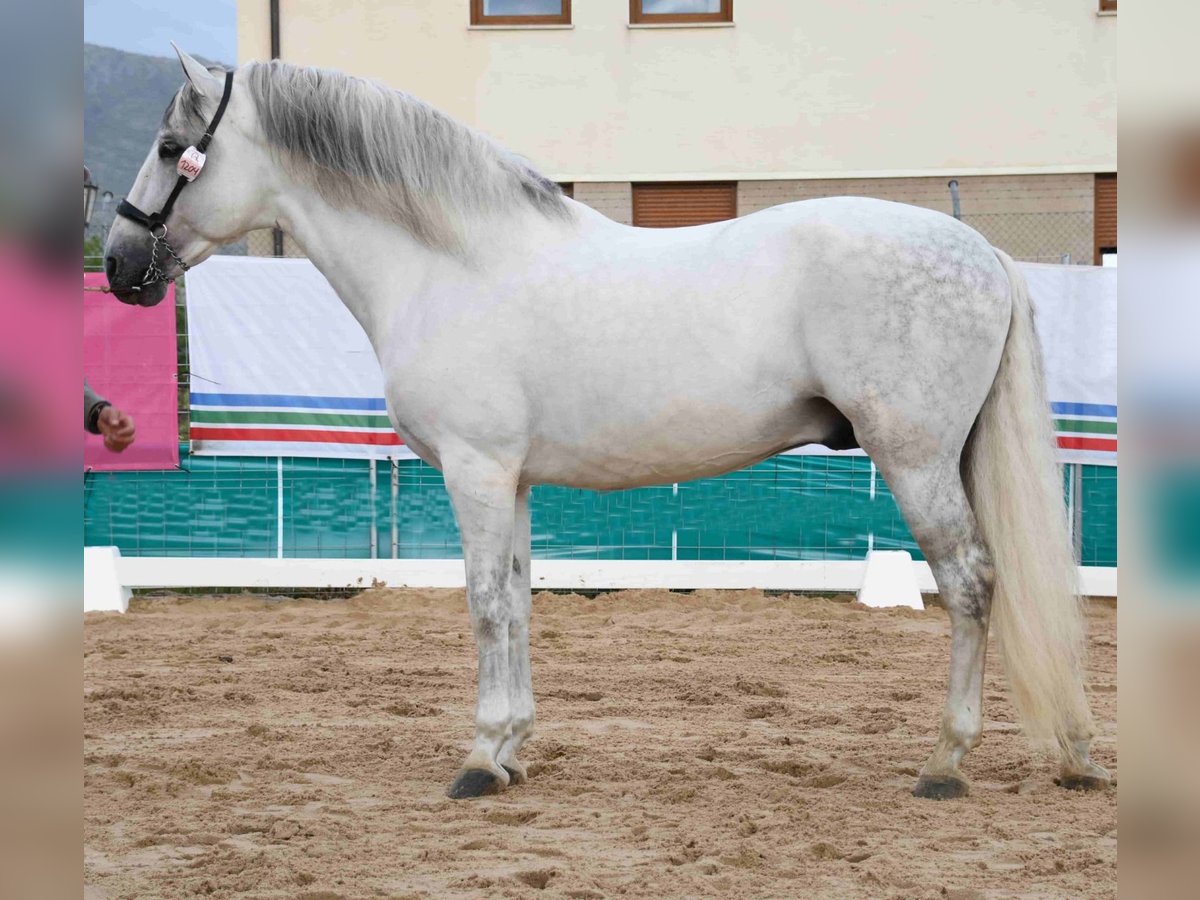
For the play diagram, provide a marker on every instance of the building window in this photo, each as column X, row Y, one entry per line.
column 1108, row 6
column 669, row 12
column 520, row 12
column 680, row 203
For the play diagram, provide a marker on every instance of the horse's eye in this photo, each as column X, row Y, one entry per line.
column 167, row 150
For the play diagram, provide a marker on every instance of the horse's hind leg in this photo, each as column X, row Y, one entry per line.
column 935, row 506
column 520, row 678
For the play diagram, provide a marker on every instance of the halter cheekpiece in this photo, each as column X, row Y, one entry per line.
column 191, row 162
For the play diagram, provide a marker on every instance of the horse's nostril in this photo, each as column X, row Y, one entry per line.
column 110, row 267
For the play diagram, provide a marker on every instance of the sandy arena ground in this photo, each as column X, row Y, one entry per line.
column 708, row 744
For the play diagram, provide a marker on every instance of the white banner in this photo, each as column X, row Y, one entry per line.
column 279, row 365
column 1076, row 309
column 281, row 368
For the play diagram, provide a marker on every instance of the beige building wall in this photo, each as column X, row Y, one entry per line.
column 1040, row 218
column 1043, row 218
column 614, row 199
column 980, row 195
column 792, row 90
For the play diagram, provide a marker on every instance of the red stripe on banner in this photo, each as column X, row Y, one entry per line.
column 307, row 435
column 298, row 435
column 1085, row 443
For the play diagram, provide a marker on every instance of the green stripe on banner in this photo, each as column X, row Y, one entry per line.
column 239, row 417
column 1085, row 426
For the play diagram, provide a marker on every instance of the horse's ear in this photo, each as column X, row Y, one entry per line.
column 201, row 79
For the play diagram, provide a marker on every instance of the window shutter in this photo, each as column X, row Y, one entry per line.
column 675, row 204
column 1106, row 214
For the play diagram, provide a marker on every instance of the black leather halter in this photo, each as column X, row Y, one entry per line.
column 156, row 223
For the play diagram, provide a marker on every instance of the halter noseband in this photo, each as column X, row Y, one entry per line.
column 191, row 161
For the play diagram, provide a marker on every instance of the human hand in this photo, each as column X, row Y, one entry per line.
column 117, row 428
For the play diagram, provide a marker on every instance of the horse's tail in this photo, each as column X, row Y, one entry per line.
column 1016, row 489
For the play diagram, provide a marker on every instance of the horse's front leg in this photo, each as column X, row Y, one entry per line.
column 484, row 498
column 519, row 672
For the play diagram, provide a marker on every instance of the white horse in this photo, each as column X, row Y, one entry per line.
column 527, row 339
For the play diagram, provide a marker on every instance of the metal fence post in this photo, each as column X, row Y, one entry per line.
column 871, row 531
column 675, row 529
column 276, row 232
column 1077, row 512
column 279, row 506
column 374, row 524
column 395, row 508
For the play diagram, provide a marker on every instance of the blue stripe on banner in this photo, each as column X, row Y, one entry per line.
column 1084, row 409
column 378, row 403
column 374, row 403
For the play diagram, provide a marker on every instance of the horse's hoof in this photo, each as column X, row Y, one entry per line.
column 515, row 776
column 940, row 787
column 475, row 783
column 1083, row 782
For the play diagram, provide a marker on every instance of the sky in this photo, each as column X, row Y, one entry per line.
column 205, row 28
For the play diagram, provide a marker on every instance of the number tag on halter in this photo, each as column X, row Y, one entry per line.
column 191, row 161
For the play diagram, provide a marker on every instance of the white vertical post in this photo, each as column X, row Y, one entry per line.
column 1076, row 507
column 395, row 508
column 279, row 507
column 890, row 581
column 102, row 587
column 1071, row 501
column 674, row 532
column 374, row 529
column 871, row 533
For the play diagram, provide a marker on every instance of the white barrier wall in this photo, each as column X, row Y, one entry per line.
column 300, row 574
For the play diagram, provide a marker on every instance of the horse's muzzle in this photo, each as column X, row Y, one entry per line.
column 146, row 295
column 125, row 281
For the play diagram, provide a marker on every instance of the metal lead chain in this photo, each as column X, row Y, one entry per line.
column 153, row 272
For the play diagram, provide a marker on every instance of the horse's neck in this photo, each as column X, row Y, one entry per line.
column 372, row 265
column 380, row 271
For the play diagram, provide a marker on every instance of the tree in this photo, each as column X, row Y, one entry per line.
column 93, row 249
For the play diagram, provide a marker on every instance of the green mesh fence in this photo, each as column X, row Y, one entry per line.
column 788, row 507
column 1098, row 497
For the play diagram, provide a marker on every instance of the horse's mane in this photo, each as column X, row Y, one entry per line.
column 364, row 145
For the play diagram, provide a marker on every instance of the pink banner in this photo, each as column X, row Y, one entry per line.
column 129, row 360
